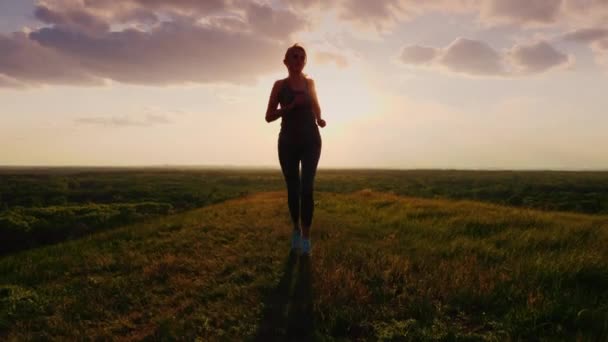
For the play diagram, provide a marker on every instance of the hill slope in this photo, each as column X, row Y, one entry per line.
column 383, row 267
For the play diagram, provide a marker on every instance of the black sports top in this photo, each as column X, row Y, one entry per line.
column 298, row 125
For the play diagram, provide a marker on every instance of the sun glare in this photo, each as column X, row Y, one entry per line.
column 344, row 93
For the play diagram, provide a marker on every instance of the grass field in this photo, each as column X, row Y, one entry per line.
column 48, row 205
column 385, row 266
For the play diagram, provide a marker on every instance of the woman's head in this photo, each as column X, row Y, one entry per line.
column 295, row 58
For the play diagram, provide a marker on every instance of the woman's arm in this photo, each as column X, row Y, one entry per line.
column 272, row 113
column 315, row 103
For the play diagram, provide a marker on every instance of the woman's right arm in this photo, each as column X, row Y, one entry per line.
column 272, row 113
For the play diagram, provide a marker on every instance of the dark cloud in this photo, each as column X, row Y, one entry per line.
column 476, row 58
column 181, row 41
column 269, row 22
column 382, row 14
column 75, row 18
column 587, row 12
column 170, row 53
column 26, row 61
column 471, row 57
column 521, row 11
column 536, row 57
column 187, row 7
column 586, row 35
column 89, row 41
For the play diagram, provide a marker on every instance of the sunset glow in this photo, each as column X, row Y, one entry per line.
column 402, row 84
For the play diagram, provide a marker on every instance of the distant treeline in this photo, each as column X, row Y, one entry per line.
column 45, row 206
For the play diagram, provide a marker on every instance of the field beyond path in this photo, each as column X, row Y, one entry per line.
column 384, row 266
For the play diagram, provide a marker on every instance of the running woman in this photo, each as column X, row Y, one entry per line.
column 299, row 141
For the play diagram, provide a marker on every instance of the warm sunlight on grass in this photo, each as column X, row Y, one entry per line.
column 384, row 267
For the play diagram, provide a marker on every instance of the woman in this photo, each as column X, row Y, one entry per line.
column 299, row 140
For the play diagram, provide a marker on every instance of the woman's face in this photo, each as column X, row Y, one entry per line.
column 296, row 59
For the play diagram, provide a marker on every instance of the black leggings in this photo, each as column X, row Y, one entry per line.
column 290, row 155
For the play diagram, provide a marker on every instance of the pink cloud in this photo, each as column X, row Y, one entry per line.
column 26, row 61
column 384, row 14
column 416, row 54
column 521, row 11
column 586, row 35
column 471, row 57
column 477, row 58
column 536, row 57
column 196, row 41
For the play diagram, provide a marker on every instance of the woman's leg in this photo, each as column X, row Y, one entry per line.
column 289, row 157
column 310, row 160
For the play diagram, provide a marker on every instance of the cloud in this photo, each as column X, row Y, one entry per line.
column 157, row 42
column 586, row 35
column 91, row 41
column 521, row 11
column 379, row 15
column 551, row 13
column 75, row 18
column 270, row 22
column 416, row 54
column 600, row 49
column 601, row 45
column 148, row 119
column 383, row 15
column 537, row 57
column 585, row 12
column 8, row 82
column 471, row 57
column 476, row 58
column 170, row 53
column 26, row 61
column 136, row 10
column 596, row 38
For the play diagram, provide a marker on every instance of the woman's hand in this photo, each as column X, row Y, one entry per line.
column 321, row 123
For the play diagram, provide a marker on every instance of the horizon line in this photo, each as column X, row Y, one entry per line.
column 274, row 167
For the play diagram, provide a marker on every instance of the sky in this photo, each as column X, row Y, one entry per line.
column 458, row 84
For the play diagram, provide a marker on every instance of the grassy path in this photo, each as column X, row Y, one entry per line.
column 383, row 267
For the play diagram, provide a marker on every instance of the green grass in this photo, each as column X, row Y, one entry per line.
column 579, row 191
column 384, row 267
column 47, row 205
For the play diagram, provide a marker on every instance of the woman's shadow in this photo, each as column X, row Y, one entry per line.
column 289, row 317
